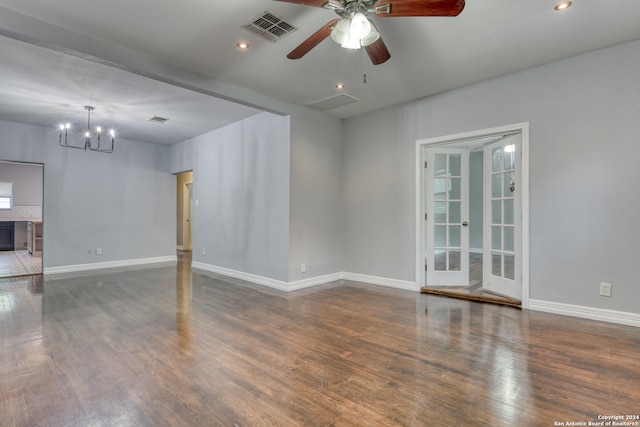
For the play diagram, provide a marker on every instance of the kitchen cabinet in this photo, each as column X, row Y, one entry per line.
column 34, row 237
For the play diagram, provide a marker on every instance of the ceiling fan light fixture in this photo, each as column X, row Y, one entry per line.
column 340, row 33
column 370, row 38
column 360, row 26
column 351, row 43
column 354, row 32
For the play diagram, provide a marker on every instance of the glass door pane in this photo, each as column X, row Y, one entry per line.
column 502, row 196
column 503, row 221
column 447, row 239
column 447, row 190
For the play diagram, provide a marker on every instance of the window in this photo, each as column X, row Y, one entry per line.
column 6, row 195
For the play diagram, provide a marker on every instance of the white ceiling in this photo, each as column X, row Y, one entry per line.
column 46, row 87
column 429, row 55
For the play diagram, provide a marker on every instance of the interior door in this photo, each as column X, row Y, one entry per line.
column 447, row 216
column 188, row 209
column 502, row 236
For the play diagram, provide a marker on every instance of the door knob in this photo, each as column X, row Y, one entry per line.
column 465, row 223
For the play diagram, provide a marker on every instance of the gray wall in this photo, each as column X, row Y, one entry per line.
column 379, row 195
column 122, row 202
column 316, row 195
column 583, row 113
column 269, row 177
column 241, row 183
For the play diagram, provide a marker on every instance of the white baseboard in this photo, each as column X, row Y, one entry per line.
column 603, row 315
column 109, row 264
column 381, row 281
column 314, row 281
column 266, row 281
column 248, row 277
column 305, row 283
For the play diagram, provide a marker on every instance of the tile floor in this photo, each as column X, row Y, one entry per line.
column 19, row 263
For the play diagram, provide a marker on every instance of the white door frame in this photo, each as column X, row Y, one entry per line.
column 523, row 129
column 187, row 217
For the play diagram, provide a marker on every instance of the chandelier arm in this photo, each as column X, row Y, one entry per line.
column 66, row 143
column 104, row 150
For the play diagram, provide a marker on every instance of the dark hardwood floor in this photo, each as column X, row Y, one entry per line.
column 474, row 291
column 161, row 346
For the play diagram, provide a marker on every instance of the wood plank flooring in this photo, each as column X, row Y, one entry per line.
column 164, row 346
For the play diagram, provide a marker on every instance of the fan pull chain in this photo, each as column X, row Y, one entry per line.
column 364, row 67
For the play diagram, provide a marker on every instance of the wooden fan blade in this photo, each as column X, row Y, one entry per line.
column 315, row 3
column 393, row 8
column 378, row 52
column 312, row 41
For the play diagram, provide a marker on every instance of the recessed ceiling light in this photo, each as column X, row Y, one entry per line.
column 243, row 45
column 563, row 5
column 340, row 86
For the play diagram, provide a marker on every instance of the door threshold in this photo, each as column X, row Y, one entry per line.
column 479, row 295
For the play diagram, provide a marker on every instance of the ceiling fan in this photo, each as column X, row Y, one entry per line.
column 355, row 30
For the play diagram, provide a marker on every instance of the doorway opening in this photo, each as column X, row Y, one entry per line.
column 184, row 211
column 472, row 215
column 21, row 218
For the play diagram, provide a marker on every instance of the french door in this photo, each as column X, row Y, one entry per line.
column 447, row 215
column 502, row 235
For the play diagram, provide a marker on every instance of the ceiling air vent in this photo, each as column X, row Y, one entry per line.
column 270, row 27
column 334, row 101
column 156, row 119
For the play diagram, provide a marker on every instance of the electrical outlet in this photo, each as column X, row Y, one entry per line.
column 303, row 268
column 204, row 251
column 98, row 251
column 605, row 289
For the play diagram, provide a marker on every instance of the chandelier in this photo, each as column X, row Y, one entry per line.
column 89, row 136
